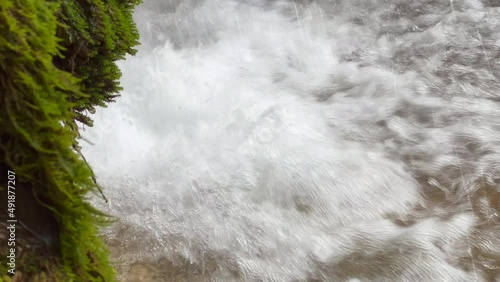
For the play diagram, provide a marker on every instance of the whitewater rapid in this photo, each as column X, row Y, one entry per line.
column 306, row 141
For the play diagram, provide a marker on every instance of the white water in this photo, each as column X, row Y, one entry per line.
column 291, row 141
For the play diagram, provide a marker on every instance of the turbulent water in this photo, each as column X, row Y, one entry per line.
column 327, row 140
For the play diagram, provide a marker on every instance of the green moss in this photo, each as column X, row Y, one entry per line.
column 37, row 268
column 57, row 61
column 97, row 34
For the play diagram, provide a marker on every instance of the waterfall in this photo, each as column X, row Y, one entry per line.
column 327, row 140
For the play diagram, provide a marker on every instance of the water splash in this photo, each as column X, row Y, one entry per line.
column 306, row 140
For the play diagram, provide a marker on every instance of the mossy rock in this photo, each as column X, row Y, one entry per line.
column 57, row 62
column 96, row 34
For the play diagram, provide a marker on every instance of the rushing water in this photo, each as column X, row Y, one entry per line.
column 306, row 141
